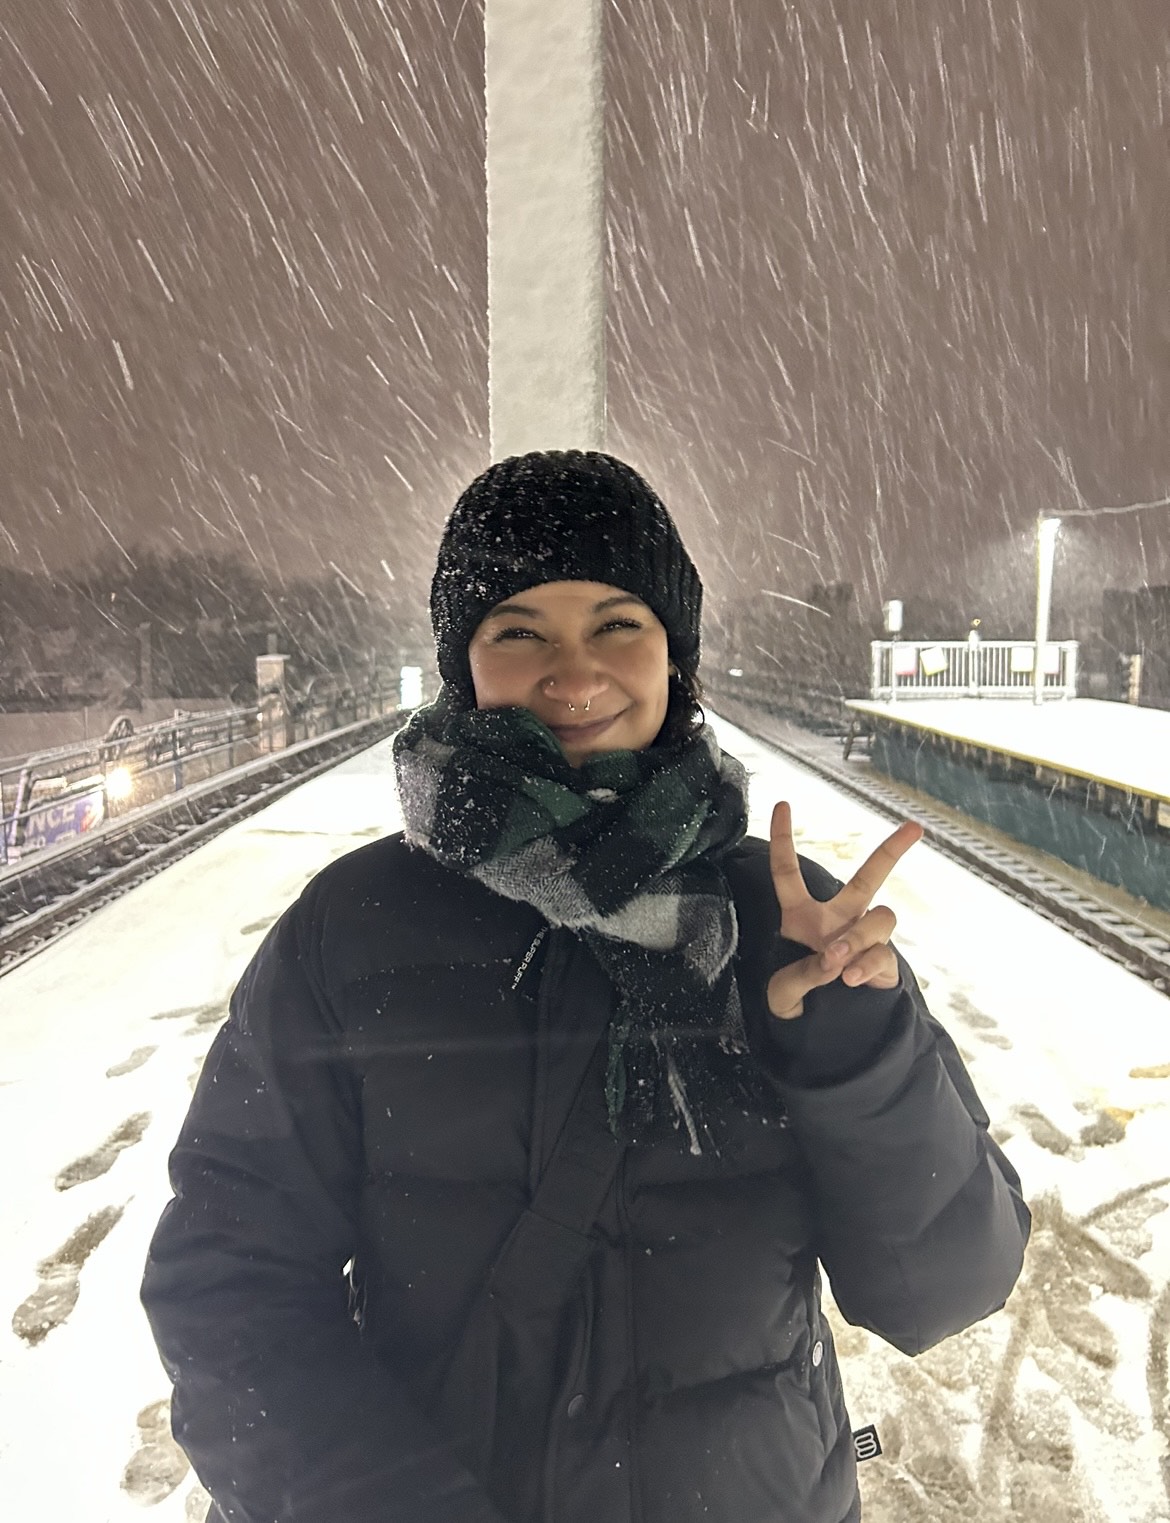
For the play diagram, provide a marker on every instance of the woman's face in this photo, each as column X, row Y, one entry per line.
column 557, row 647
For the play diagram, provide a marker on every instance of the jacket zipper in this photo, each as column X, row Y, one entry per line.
column 540, row 1077
column 634, row 1480
column 552, row 966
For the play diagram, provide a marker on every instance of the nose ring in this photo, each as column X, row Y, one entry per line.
column 552, row 682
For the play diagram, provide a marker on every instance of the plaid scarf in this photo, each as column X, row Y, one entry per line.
column 623, row 850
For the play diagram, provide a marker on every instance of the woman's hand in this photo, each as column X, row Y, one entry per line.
column 849, row 940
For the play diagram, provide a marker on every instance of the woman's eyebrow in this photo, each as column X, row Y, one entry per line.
column 621, row 597
column 506, row 610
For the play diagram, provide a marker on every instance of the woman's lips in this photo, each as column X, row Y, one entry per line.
column 574, row 734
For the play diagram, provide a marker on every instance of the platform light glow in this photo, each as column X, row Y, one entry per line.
column 119, row 784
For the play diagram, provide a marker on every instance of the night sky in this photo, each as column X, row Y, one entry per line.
column 886, row 281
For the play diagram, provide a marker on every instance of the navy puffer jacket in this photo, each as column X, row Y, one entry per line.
column 370, row 1123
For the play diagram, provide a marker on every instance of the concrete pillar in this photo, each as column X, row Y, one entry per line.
column 272, row 688
column 546, row 236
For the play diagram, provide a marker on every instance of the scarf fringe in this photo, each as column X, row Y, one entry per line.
column 678, row 1094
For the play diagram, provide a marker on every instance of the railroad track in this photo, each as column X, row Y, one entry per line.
column 58, row 888
column 55, row 889
column 1095, row 921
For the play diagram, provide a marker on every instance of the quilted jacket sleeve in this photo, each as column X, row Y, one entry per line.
column 921, row 1225
column 277, row 1403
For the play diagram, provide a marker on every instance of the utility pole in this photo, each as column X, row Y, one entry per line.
column 546, row 210
column 1046, row 531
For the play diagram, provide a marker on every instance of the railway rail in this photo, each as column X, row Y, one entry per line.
column 61, row 885
column 48, row 895
column 1098, row 922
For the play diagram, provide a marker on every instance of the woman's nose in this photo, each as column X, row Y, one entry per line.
column 573, row 678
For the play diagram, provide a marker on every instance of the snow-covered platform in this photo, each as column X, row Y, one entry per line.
column 1053, row 1408
column 1116, row 745
column 1085, row 781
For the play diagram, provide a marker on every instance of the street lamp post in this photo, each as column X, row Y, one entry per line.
column 1046, row 531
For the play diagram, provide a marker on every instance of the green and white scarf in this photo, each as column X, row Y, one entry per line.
column 623, row 850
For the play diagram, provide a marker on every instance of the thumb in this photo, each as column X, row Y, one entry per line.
column 788, row 985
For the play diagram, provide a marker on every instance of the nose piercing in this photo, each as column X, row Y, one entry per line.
column 552, row 682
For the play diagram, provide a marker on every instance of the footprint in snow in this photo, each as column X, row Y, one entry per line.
column 182, row 1012
column 101, row 1160
column 157, row 1465
column 128, row 1065
column 200, row 1016
column 55, row 1297
column 254, row 926
column 196, row 1505
column 984, row 1027
column 1044, row 1133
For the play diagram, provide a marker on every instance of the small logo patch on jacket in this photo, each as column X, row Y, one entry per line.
column 866, row 1444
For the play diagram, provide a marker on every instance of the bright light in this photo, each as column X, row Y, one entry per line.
column 1049, row 529
column 119, row 784
column 735, row 672
column 410, row 687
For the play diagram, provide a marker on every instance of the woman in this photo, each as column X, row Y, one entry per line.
column 503, row 1189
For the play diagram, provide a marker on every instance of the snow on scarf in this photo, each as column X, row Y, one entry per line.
column 623, row 850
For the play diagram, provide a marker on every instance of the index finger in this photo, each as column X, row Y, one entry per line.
column 786, row 875
column 878, row 866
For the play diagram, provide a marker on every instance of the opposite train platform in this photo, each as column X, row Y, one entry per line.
column 1086, row 780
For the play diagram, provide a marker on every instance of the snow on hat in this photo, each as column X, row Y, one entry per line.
column 559, row 516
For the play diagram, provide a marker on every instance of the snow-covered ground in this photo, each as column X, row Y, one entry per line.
column 1054, row 1409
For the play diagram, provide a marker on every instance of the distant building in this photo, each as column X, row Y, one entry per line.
column 1136, row 621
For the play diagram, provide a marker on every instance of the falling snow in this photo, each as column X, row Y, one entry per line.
column 884, row 280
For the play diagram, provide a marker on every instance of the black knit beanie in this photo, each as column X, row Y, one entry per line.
column 559, row 516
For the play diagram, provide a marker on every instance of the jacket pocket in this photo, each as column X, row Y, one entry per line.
column 506, row 1390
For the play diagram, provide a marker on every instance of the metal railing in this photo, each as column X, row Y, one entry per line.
column 57, row 795
column 970, row 668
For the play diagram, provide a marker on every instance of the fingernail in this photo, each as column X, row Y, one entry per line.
column 838, row 948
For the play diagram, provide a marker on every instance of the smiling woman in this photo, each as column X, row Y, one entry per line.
column 574, row 1085
column 587, row 659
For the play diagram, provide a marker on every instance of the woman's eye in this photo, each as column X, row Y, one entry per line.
column 523, row 632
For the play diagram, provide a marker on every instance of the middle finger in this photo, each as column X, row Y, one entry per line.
column 878, row 866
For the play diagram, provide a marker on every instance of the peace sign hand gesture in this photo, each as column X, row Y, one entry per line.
column 849, row 940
